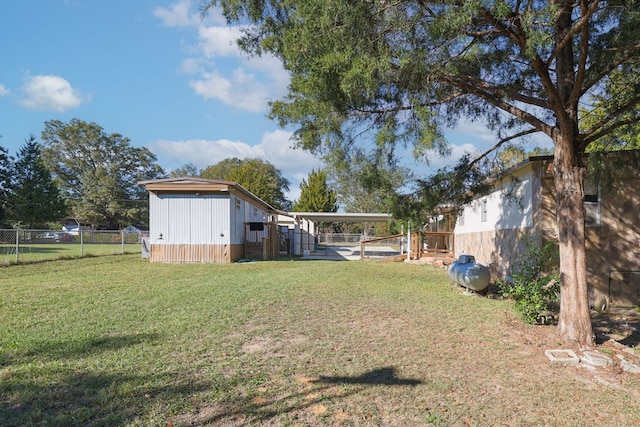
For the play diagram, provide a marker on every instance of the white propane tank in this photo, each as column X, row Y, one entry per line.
column 468, row 273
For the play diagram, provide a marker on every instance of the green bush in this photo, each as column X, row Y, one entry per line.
column 535, row 286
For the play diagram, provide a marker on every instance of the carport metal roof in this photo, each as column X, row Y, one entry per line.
column 341, row 216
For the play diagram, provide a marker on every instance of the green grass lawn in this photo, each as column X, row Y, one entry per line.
column 111, row 341
column 50, row 251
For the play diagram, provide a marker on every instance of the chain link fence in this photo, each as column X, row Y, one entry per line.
column 22, row 246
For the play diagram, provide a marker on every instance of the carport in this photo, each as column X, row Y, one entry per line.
column 306, row 241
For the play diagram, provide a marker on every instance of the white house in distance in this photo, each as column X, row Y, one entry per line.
column 203, row 220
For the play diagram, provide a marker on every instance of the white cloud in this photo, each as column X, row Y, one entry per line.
column 221, row 71
column 239, row 90
column 177, row 15
column 50, row 93
column 275, row 147
column 4, row 91
column 219, row 41
column 479, row 131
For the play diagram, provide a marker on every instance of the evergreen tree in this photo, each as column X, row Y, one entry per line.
column 6, row 170
column 315, row 194
column 34, row 200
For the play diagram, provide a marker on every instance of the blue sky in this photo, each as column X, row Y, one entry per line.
column 157, row 73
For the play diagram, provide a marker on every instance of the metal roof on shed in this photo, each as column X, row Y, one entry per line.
column 195, row 184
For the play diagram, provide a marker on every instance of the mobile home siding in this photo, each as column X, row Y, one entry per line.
column 613, row 267
column 495, row 235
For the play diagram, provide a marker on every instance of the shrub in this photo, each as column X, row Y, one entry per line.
column 535, row 286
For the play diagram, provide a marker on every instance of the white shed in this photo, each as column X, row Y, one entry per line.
column 203, row 220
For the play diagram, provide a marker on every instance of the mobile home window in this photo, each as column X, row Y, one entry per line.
column 461, row 217
column 592, row 203
column 483, row 211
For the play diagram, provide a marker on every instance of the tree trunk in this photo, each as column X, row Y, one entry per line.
column 575, row 319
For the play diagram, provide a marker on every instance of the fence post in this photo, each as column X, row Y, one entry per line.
column 17, row 246
column 409, row 242
column 81, row 241
column 122, row 240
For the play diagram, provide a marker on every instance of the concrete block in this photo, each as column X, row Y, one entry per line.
column 565, row 357
column 629, row 367
column 595, row 358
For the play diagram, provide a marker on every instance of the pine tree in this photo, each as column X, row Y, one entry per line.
column 34, row 200
column 315, row 194
column 5, row 182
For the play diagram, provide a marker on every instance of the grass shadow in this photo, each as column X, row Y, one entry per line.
column 257, row 409
column 632, row 340
column 382, row 376
column 82, row 398
column 73, row 349
column 621, row 325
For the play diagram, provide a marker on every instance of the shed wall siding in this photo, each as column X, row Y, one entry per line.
column 238, row 208
column 185, row 219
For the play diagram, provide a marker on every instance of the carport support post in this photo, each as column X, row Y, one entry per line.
column 296, row 236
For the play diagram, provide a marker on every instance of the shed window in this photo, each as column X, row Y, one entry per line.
column 592, row 203
column 256, row 226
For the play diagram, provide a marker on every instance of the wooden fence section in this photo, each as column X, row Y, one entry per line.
column 262, row 245
column 437, row 243
column 422, row 244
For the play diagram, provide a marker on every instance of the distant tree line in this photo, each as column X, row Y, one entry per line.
column 78, row 173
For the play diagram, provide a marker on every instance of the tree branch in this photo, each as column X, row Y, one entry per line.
column 584, row 49
column 597, row 78
column 498, row 102
column 504, row 92
column 607, row 131
column 599, row 129
column 500, row 143
column 616, row 113
column 539, row 65
column 408, row 107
